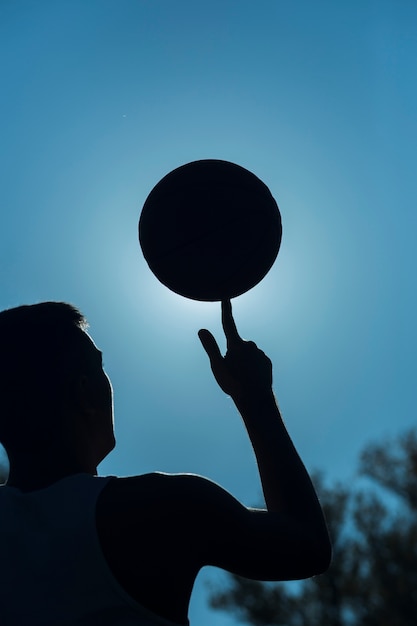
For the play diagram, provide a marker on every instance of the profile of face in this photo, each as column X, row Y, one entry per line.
column 96, row 399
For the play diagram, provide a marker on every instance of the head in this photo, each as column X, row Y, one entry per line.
column 54, row 394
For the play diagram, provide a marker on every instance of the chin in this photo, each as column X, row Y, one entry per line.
column 106, row 448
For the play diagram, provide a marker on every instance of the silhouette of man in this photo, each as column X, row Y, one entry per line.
column 79, row 549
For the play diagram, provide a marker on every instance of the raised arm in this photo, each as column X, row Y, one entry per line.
column 158, row 530
column 245, row 373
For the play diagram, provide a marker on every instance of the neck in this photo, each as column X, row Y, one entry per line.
column 29, row 475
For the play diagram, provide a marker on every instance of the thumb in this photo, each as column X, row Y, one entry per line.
column 210, row 345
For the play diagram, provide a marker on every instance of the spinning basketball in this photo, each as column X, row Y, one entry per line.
column 210, row 230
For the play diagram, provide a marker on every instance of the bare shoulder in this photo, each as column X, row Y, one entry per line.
column 149, row 539
column 173, row 512
column 156, row 493
column 172, row 517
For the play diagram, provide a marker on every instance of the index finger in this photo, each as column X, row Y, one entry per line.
column 228, row 323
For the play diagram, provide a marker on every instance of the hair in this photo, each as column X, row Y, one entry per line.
column 37, row 347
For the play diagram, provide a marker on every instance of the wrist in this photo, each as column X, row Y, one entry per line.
column 255, row 399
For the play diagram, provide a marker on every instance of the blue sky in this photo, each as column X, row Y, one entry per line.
column 101, row 98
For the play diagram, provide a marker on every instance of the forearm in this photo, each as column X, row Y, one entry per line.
column 286, row 484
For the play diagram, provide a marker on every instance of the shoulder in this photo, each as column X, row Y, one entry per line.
column 158, row 528
column 150, row 539
column 159, row 492
column 173, row 510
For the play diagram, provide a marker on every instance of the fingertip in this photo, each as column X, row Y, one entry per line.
column 204, row 335
column 209, row 343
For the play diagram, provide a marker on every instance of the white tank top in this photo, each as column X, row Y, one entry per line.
column 52, row 569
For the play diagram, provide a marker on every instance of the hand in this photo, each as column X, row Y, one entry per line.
column 244, row 368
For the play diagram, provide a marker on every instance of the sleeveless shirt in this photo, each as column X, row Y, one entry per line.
column 52, row 569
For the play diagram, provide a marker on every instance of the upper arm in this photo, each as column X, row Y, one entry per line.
column 253, row 543
column 192, row 519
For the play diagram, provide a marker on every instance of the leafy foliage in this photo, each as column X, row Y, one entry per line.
column 373, row 577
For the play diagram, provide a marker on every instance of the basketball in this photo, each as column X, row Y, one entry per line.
column 210, row 230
